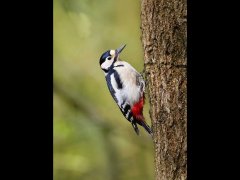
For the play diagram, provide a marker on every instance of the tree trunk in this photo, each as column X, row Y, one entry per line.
column 163, row 24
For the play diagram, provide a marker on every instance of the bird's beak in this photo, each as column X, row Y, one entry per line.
column 119, row 50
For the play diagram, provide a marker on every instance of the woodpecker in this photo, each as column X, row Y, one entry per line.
column 126, row 86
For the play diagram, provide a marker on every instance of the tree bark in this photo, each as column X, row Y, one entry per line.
column 164, row 26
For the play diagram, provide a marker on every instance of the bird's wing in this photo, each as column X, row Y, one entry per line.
column 126, row 111
column 114, row 85
column 140, row 83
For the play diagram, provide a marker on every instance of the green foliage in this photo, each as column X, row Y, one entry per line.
column 92, row 140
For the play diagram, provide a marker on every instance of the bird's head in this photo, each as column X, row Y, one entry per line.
column 109, row 58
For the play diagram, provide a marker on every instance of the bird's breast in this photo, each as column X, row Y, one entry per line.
column 130, row 90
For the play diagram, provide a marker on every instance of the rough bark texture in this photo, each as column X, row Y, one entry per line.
column 164, row 38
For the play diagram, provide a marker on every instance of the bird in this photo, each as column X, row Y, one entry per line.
column 126, row 86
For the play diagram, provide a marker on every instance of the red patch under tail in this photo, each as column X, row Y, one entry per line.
column 137, row 110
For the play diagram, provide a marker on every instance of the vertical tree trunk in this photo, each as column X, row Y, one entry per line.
column 163, row 24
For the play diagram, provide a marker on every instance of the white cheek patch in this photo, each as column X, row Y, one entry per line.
column 106, row 64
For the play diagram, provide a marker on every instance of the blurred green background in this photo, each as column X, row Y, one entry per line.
column 92, row 139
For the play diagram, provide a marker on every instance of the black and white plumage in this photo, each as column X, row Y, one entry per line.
column 126, row 86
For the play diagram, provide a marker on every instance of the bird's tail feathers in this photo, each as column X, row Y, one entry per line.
column 135, row 128
column 146, row 127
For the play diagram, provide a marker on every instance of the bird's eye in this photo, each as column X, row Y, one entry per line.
column 109, row 58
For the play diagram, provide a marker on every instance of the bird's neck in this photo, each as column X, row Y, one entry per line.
column 107, row 71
